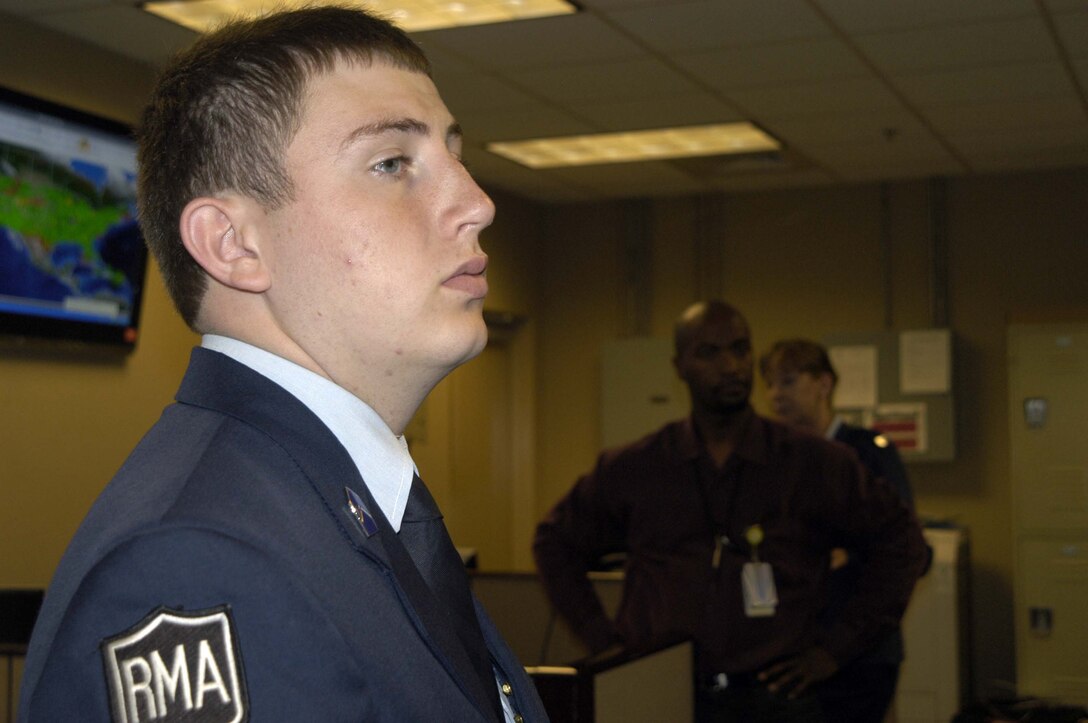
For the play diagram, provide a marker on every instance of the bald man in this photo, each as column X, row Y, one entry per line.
column 728, row 521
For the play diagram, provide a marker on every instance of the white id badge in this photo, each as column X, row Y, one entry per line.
column 757, row 583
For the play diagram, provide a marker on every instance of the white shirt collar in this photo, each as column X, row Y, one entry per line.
column 382, row 457
column 833, row 428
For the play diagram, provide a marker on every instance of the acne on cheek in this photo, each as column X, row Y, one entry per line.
column 350, row 263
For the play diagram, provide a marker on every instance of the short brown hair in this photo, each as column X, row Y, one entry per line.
column 798, row 355
column 223, row 114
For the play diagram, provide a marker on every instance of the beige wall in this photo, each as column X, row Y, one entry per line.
column 69, row 420
column 808, row 262
column 43, row 63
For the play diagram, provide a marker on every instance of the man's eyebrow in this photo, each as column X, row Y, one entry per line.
column 395, row 125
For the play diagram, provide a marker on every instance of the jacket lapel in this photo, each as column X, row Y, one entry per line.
column 217, row 382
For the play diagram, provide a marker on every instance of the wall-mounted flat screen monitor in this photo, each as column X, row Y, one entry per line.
column 72, row 259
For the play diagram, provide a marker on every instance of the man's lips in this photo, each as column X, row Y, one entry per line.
column 733, row 388
column 470, row 278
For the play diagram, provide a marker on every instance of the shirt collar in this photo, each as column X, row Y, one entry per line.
column 833, row 428
column 381, row 457
column 688, row 444
column 752, row 443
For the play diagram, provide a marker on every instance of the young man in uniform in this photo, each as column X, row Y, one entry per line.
column 267, row 552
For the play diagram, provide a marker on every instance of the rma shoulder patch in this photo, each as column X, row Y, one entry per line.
column 176, row 666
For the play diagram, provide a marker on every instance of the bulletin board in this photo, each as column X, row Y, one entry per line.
column 900, row 384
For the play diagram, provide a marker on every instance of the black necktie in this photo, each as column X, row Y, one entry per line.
column 425, row 537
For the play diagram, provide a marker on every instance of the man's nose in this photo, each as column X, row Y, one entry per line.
column 471, row 208
column 728, row 363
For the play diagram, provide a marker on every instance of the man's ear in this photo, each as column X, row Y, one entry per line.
column 217, row 236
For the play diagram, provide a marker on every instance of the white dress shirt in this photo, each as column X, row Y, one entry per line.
column 381, row 456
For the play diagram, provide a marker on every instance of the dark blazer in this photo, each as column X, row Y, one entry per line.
column 236, row 498
column 878, row 455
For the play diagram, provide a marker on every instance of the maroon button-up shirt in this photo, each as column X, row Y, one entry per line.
column 663, row 502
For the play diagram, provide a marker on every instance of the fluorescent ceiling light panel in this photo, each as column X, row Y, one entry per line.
column 411, row 15
column 652, row 145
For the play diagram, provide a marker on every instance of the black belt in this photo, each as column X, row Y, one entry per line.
column 718, row 682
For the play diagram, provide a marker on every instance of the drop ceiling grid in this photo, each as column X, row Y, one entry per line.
column 984, row 80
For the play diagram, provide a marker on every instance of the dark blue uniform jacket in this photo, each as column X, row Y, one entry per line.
column 882, row 460
column 235, row 500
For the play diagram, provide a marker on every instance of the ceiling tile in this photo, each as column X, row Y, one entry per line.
column 1064, row 6
column 1080, row 68
column 710, row 24
column 540, row 43
column 126, row 31
column 960, row 46
column 1073, row 31
column 909, row 169
column 1005, row 116
column 902, row 148
column 860, row 16
column 980, row 85
column 607, row 81
column 799, row 62
column 474, row 92
column 443, row 62
column 534, row 122
column 983, row 73
column 32, row 8
column 861, row 128
column 617, row 4
column 849, row 96
column 1023, row 142
column 905, row 156
column 660, row 111
column 862, row 166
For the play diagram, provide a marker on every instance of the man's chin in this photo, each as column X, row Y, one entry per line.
column 732, row 406
column 473, row 343
column 477, row 348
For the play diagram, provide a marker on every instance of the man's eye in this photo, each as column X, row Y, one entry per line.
column 391, row 166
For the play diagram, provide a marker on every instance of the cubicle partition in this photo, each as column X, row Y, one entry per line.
column 648, row 688
column 521, row 611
